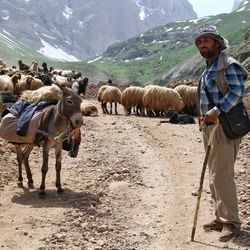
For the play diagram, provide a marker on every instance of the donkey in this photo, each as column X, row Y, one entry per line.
column 56, row 124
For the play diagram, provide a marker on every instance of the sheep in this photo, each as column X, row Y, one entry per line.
column 2, row 63
column 45, row 78
column 181, row 119
column 160, row 99
column 34, row 67
column 53, row 93
column 45, row 68
column 132, row 98
column 27, row 83
column 189, row 95
column 176, row 118
column 109, row 94
column 22, row 66
column 80, row 85
column 88, row 109
column 66, row 73
column 8, row 83
column 148, row 99
column 62, row 81
column 100, row 91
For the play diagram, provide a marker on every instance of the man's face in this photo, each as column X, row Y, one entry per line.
column 208, row 47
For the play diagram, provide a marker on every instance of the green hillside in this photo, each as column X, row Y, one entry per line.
column 145, row 59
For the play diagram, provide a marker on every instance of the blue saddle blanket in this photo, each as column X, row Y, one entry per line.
column 24, row 111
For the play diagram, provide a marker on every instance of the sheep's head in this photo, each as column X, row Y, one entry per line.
column 28, row 82
column 15, row 78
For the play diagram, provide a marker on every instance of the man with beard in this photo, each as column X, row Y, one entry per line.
column 221, row 72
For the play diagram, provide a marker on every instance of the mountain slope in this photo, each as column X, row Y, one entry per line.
column 167, row 53
column 80, row 29
column 11, row 50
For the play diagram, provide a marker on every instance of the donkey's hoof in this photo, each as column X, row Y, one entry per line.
column 20, row 184
column 42, row 194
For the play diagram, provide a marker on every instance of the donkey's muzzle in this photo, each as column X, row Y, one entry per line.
column 76, row 121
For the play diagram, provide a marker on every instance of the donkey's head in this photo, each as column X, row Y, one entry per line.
column 70, row 107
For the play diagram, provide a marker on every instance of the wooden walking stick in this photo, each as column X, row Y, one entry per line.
column 201, row 182
column 200, row 191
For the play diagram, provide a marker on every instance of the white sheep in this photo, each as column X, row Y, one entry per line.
column 46, row 93
column 34, row 67
column 2, row 63
column 109, row 94
column 62, row 81
column 100, row 91
column 189, row 95
column 8, row 83
column 132, row 98
column 66, row 73
column 88, row 108
column 27, row 82
column 158, row 99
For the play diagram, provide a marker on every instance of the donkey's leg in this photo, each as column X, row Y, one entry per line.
column 44, row 168
column 19, row 154
column 58, row 154
column 26, row 155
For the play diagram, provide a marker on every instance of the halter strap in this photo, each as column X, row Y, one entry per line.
column 59, row 111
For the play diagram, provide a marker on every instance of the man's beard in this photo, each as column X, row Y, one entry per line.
column 208, row 53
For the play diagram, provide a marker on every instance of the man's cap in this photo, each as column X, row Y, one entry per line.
column 210, row 31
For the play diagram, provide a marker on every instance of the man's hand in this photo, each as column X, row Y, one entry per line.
column 211, row 116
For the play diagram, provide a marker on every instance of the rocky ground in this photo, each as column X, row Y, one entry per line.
column 130, row 187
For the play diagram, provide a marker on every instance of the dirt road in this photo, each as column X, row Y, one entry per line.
column 129, row 188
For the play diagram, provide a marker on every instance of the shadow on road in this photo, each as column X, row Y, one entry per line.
column 69, row 198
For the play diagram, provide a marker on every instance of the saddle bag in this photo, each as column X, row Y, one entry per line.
column 235, row 122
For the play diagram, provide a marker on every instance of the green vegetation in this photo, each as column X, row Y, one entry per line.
column 144, row 59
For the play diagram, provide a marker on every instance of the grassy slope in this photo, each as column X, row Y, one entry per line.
column 164, row 56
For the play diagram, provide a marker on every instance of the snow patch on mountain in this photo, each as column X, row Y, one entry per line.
column 67, row 12
column 55, row 52
column 144, row 11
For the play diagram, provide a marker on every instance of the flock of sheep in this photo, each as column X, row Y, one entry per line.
column 32, row 77
column 151, row 100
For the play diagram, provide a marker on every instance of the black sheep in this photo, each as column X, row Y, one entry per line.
column 180, row 119
column 23, row 66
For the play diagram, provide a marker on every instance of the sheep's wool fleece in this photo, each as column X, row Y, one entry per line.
column 45, row 93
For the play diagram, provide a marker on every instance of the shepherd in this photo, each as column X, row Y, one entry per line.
column 221, row 72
